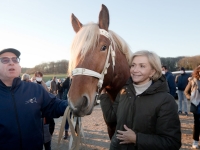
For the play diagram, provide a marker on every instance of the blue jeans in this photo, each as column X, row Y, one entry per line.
column 67, row 124
column 181, row 97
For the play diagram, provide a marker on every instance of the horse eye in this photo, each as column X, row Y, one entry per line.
column 103, row 48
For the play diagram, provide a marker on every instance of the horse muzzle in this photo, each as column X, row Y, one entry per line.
column 82, row 108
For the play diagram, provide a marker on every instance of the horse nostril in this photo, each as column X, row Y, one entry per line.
column 84, row 102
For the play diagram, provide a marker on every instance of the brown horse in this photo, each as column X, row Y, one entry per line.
column 99, row 59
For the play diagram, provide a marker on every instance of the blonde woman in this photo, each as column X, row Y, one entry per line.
column 192, row 93
column 144, row 111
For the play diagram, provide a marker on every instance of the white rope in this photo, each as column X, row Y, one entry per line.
column 75, row 137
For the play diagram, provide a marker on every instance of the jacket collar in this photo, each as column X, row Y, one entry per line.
column 16, row 82
column 157, row 86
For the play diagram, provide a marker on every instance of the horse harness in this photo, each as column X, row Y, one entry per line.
column 100, row 76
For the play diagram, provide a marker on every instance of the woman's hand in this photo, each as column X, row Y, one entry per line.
column 127, row 136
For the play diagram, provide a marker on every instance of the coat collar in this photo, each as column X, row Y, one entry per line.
column 16, row 82
column 157, row 86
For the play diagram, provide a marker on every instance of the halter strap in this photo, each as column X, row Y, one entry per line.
column 87, row 72
column 105, row 33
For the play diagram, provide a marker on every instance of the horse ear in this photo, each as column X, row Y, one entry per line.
column 104, row 18
column 77, row 25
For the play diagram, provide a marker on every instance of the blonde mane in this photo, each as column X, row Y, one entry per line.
column 87, row 38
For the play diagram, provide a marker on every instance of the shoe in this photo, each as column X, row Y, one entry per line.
column 186, row 113
column 66, row 135
column 195, row 144
column 179, row 112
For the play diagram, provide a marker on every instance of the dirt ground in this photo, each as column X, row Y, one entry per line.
column 96, row 137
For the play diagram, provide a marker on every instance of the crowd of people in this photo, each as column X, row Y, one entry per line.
column 145, row 112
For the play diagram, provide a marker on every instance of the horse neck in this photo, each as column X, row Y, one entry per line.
column 118, row 78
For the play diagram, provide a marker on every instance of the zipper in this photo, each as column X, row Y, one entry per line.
column 17, row 118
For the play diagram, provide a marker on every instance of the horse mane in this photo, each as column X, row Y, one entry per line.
column 87, row 38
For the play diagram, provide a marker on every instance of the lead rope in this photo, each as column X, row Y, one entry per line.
column 75, row 138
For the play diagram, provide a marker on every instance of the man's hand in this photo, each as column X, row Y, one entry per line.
column 127, row 136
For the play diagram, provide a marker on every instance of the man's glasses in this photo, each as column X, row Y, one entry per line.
column 6, row 60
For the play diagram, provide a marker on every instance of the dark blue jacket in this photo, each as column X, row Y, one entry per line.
column 171, row 83
column 21, row 109
column 182, row 81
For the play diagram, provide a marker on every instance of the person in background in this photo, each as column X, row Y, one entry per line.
column 48, row 121
column 170, row 80
column 182, row 81
column 53, row 86
column 66, row 86
column 60, row 89
column 38, row 78
column 192, row 92
column 144, row 112
column 22, row 105
column 25, row 77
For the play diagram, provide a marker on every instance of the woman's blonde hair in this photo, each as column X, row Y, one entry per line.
column 154, row 61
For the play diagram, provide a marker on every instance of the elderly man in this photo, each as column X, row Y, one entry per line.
column 22, row 105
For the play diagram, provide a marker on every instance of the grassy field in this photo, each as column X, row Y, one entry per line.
column 50, row 76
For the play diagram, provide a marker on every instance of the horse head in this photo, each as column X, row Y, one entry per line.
column 99, row 59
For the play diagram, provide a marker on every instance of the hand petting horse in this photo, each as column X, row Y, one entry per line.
column 99, row 59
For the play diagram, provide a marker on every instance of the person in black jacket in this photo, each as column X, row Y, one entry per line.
column 170, row 80
column 22, row 105
column 66, row 86
column 60, row 89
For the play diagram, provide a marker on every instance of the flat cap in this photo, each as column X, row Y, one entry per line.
column 12, row 50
